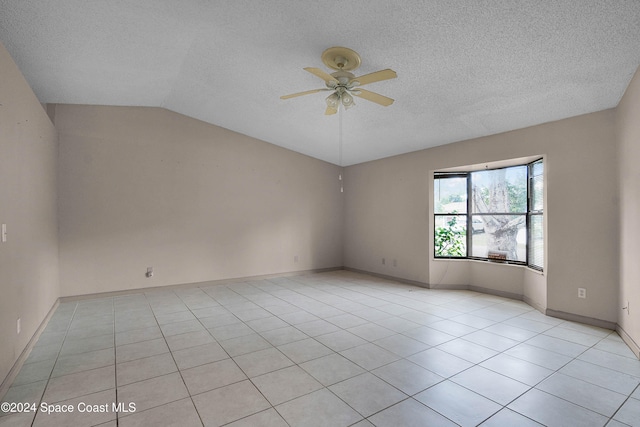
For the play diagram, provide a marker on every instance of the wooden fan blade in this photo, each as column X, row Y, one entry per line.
column 307, row 92
column 319, row 73
column 330, row 110
column 376, row 77
column 373, row 97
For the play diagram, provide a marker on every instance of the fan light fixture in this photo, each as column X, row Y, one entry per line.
column 340, row 96
column 343, row 84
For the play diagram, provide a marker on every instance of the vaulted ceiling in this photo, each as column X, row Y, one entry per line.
column 465, row 68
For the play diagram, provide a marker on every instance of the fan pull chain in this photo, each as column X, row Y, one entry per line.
column 340, row 147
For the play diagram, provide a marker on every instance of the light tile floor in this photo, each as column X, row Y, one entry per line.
column 331, row 349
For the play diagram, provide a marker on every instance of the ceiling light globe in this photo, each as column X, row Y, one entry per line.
column 333, row 100
column 347, row 100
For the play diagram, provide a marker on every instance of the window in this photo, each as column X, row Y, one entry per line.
column 492, row 214
column 535, row 243
column 451, row 216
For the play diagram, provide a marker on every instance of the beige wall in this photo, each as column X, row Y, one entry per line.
column 29, row 258
column 388, row 214
column 628, row 114
column 146, row 187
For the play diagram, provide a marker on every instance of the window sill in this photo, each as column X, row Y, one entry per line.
column 492, row 262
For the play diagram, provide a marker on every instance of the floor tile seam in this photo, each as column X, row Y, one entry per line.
column 590, row 382
column 314, row 358
column 631, row 357
column 444, row 416
column 574, row 342
column 63, row 356
column 73, row 340
column 137, row 328
column 293, row 398
column 263, row 396
column 585, row 328
column 504, row 375
column 255, row 413
column 510, row 326
column 136, row 342
column 290, row 342
column 466, row 360
column 179, row 373
column 609, row 417
column 629, row 397
column 347, row 403
column 82, row 370
column 141, row 305
column 430, row 345
column 264, row 373
column 455, row 336
column 490, row 348
column 143, row 357
column 128, row 414
column 498, row 321
column 315, row 299
column 390, row 406
column 197, row 319
column 192, row 395
column 529, row 387
column 542, row 366
column 44, row 390
column 148, row 378
column 603, row 366
column 527, row 341
column 178, row 370
column 402, row 391
column 75, row 398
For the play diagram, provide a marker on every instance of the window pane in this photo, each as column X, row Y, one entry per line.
column 537, row 186
column 451, row 235
column 538, row 168
column 500, row 190
column 499, row 237
column 536, row 248
column 450, row 195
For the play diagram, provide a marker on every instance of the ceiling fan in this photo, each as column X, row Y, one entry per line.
column 342, row 83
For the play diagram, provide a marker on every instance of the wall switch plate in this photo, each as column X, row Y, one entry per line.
column 582, row 293
column 18, row 326
column 149, row 272
column 4, row 233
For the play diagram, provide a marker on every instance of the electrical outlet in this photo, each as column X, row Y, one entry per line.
column 4, row 233
column 149, row 272
column 18, row 326
column 582, row 293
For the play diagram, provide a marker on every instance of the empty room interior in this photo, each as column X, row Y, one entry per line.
column 319, row 214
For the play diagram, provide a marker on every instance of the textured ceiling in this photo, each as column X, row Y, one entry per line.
column 465, row 68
